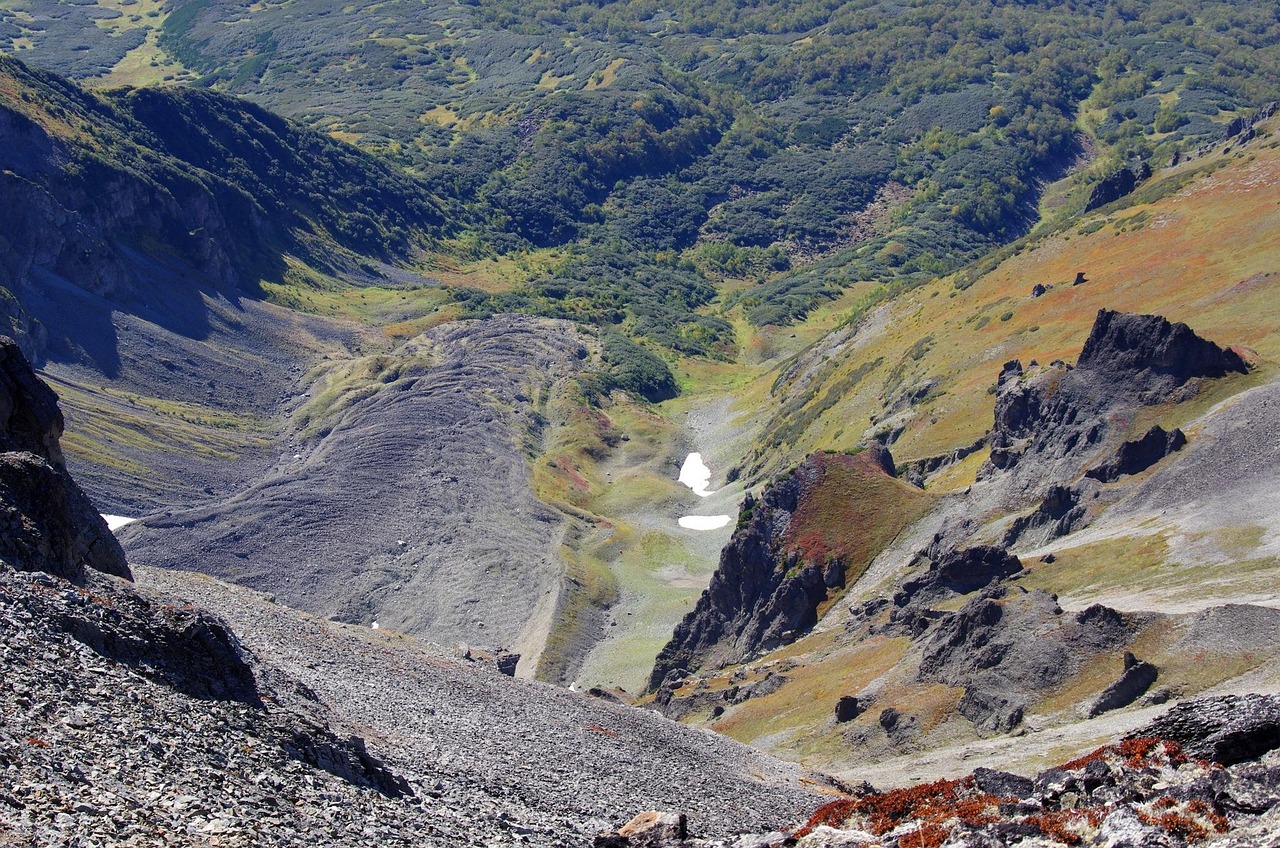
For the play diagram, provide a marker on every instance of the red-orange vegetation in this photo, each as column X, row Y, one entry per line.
column 1137, row 754
column 928, row 836
column 936, row 806
column 1062, row 824
column 832, row 814
column 1195, row 822
column 850, row 511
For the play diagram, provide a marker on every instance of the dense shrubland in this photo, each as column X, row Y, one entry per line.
column 798, row 146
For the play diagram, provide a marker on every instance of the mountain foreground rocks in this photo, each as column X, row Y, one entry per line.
column 184, row 711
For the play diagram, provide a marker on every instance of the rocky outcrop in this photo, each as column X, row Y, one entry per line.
column 1150, row 355
column 957, row 572
column 766, row 591
column 985, row 647
column 1117, row 185
column 1059, row 512
column 1135, row 680
column 1225, row 729
column 1059, row 415
column 47, row 522
column 1140, row 454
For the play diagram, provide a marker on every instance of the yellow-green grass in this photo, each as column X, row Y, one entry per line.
column 1144, row 566
column 1204, row 254
column 805, row 703
column 112, row 428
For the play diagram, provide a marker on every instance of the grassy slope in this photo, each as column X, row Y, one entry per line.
column 1198, row 244
column 1206, row 254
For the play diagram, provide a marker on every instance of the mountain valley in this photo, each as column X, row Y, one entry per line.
column 973, row 323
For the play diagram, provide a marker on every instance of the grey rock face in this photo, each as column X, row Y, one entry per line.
column 1226, row 729
column 1136, row 679
column 1050, row 419
column 46, row 521
column 1139, row 455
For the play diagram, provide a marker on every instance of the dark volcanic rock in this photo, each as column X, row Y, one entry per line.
column 46, row 522
column 1139, row 455
column 1136, row 679
column 1059, row 417
column 958, row 572
column 1117, row 185
column 1007, row 647
column 1226, row 729
column 1060, row 512
column 761, row 596
column 991, row 712
column 1151, row 351
column 847, row 708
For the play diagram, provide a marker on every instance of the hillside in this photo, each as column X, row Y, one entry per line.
column 776, row 153
column 1158, row 539
column 166, row 706
column 970, row 308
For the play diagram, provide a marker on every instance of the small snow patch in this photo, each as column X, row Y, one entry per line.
column 115, row 522
column 704, row 522
column 696, row 475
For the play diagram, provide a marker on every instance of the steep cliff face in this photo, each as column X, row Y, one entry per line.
column 48, row 524
column 795, row 547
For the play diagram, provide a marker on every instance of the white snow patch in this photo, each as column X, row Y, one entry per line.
column 696, row 475
column 115, row 522
column 704, row 522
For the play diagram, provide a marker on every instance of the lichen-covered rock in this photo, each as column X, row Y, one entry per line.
column 1226, row 729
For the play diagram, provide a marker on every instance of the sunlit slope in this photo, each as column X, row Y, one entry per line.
column 1199, row 244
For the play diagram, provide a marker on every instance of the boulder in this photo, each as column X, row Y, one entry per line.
column 1225, row 729
column 1134, row 681
column 1137, row 456
column 847, row 708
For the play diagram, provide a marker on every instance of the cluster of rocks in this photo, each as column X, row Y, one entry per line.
column 1204, row 773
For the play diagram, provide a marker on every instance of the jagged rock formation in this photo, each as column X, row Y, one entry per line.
column 1226, row 729
column 1135, row 680
column 1058, row 414
column 48, row 524
column 1140, row 454
column 957, row 572
column 771, row 579
column 411, row 505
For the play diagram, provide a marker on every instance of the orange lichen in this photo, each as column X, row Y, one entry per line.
column 1194, row 822
column 1063, row 824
